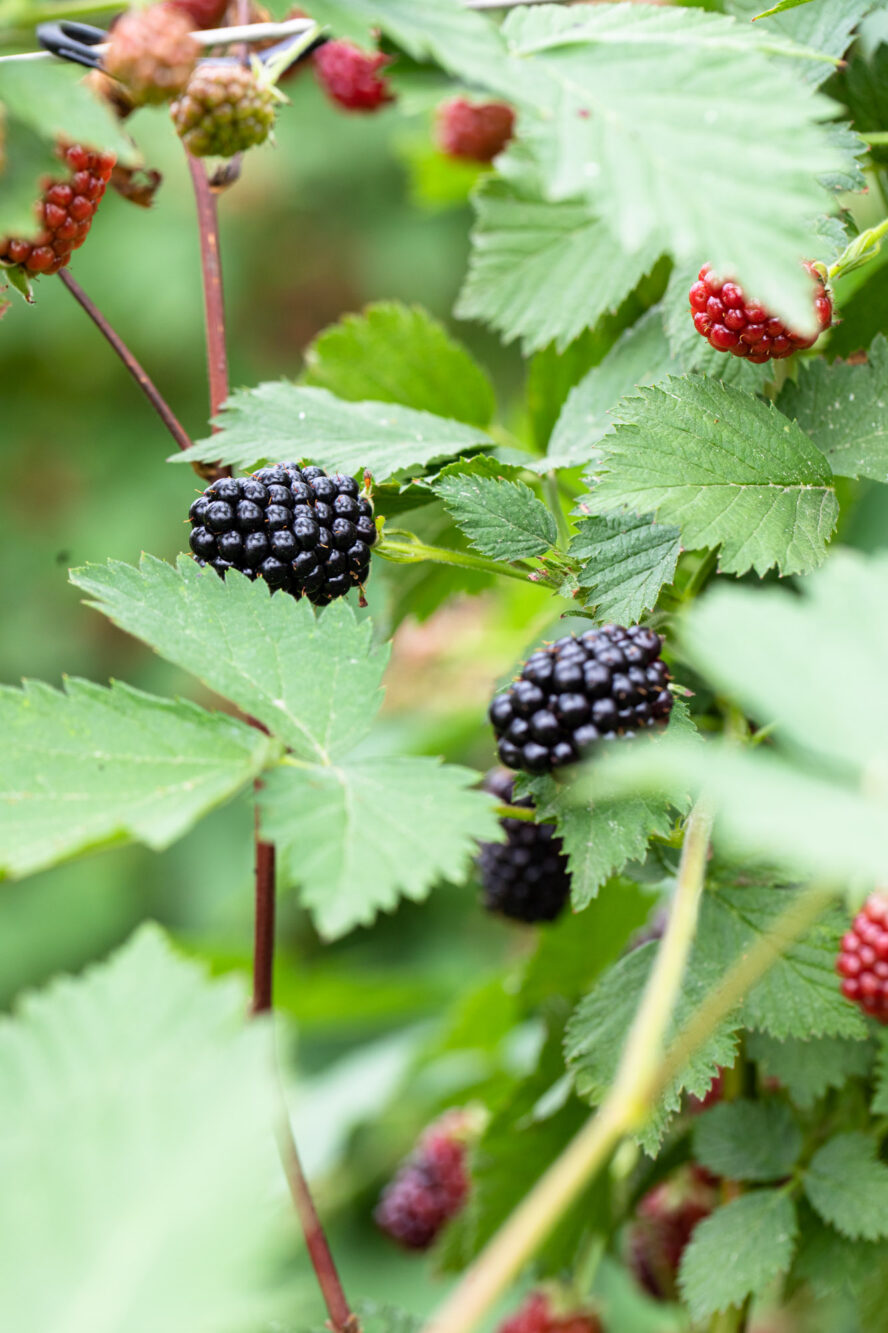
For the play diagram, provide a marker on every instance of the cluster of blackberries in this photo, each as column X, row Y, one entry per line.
column 664, row 1222
column 65, row 211
column 731, row 323
column 541, row 1313
column 298, row 529
column 430, row 1187
column 577, row 691
column 863, row 958
column 526, row 877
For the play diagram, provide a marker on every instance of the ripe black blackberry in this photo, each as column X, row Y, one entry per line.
column 526, row 877
column 295, row 527
column 577, row 691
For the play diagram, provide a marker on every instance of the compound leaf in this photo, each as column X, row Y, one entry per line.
column 502, row 519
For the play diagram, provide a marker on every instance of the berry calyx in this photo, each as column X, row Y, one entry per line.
column 731, row 323
column 863, row 958
column 664, row 1223
column 526, row 877
column 152, row 53
column 350, row 77
column 65, row 210
column 225, row 109
column 477, row 131
column 541, row 1313
column 429, row 1188
column 576, row 692
column 300, row 530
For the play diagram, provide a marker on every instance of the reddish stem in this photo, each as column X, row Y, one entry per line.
column 263, row 924
column 139, row 374
column 214, row 303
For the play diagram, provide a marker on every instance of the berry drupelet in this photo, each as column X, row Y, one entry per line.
column 295, row 527
column 350, row 77
column 664, row 1223
column 476, row 131
column 540, row 1313
column 863, row 958
column 526, row 877
column 65, row 211
column 730, row 323
column 430, row 1188
column 577, row 691
column 225, row 109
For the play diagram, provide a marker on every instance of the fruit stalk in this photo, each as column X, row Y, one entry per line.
column 412, row 551
column 141, row 376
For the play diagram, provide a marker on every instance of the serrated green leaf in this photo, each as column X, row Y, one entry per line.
column 640, row 356
column 597, row 1031
column 136, row 1113
column 53, row 99
column 827, row 26
column 727, row 469
column 738, row 1252
column 394, row 353
column 843, row 410
column 834, row 1266
column 543, row 271
column 502, row 519
column 626, row 560
column 806, row 1068
column 89, row 767
column 280, row 420
column 624, row 102
column 743, row 1140
column 848, row 1186
column 862, row 88
column 357, row 836
column 776, row 654
column 313, row 680
column 462, row 42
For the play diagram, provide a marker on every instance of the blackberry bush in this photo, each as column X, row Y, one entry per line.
column 578, row 691
column 664, row 1223
column 298, row 529
column 526, row 877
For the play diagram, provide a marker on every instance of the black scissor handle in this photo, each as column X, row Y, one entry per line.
column 72, row 41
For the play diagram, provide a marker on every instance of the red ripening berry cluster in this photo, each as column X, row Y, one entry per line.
column 730, row 323
column 350, row 76
column 863, row 958
column 66, row 212
column 539, row 1315
column 665, row 1220
column 429, row 1189
column 476, row 131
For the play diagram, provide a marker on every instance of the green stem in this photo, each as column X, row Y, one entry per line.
column 861, row 250
column 874, row 136
column 700, row 576
column 414, row 551
column 550, row 486
column 625, row 1106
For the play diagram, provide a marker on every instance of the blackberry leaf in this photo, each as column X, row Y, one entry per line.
column 543, row 271
column 502, row 519
column 358, row 836
column 125, row 766
column 738, row 1252
column 394, row 353
column 744, row 1140
column 626, row 560
column 848, row 1186
column 724, row 467
column 131, row 1084
column 825, row 26
column 842, row 408
column 806, row 1068
column 280, row 420
column 53, row 100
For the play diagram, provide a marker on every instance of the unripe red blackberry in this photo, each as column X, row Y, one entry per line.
column 541, row 1313
column 863, row 958
column 203, row 13
column 66, row 211
column 664, row 1223
column 578, row 691
column 478, row 131
column 429, row 1188
column 298, row 529
column 526, row 877
column 731, row 323
column 350, row 77
column 152, row 53
column 225, row 109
